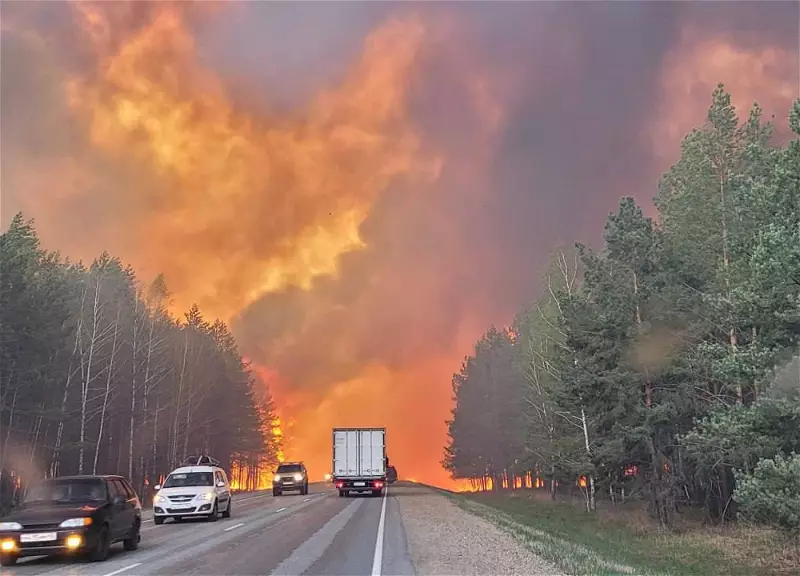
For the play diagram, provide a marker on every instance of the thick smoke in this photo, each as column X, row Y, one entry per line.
column 504, row 129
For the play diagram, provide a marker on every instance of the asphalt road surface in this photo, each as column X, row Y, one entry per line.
column 319, row 533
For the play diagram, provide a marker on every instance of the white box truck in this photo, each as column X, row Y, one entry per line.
column 359, row 460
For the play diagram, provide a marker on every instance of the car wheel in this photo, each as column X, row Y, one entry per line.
column 305, row 489
column 276, row 492
column 341, row 493
column 132, row 542
column 214, row 514
column 227, row 513
column 102, row 546
column 157, row 520
column 8, row 559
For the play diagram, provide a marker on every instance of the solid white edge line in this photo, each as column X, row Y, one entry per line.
column 123, row 569
column 229, row 528
column 377, row 560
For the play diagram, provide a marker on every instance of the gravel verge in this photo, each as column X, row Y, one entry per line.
column 445, row 540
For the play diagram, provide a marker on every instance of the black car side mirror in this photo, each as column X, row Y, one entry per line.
column 118, row 501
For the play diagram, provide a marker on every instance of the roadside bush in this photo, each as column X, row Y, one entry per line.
column 771, row 493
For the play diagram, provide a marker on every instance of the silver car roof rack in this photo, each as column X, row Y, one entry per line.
column 202, row 460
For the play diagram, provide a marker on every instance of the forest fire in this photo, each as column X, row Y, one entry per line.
column 309, row 229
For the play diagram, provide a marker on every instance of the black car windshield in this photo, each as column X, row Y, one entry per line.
column 289, row 468
column 182, row 479
column 67, row 491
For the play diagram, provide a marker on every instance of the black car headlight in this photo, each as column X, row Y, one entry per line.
column 75, row 523
column 10, row 526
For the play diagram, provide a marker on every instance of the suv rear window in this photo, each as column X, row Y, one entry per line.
column 189, row 479
column 287, row 468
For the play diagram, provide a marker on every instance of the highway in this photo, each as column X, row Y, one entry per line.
column 319, row 533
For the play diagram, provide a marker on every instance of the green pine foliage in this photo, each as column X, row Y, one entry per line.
column 97, row 377
column 656, row 367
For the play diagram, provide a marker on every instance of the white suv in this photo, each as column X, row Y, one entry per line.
column 193, row 491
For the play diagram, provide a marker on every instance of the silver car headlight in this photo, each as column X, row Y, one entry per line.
column 75, row 523
column 298, row 477
column 10, row 526
column 205, row 496
column 276, row 478
column 159, row 499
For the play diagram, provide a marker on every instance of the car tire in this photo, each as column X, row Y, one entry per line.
column 102, row 546
column 214, row 513
column 158, row 520
column 8, row 559
column 341, row 493
column 276, row 492
column 227, row 513
column 132, row 542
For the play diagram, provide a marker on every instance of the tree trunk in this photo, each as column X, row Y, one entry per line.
column 155, row 437
column 134, row 366
column 590, row 502
column 178, row 401
column 732, row 337
column 55, row 462
column 109, row 376
column 88, row 378
column 10, row 421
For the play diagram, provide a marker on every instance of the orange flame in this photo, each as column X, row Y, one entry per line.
column 150, row 103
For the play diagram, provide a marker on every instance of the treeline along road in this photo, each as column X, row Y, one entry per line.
column 662, row 367
column 98, row 377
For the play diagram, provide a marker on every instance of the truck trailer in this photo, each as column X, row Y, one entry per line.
column 359, row 460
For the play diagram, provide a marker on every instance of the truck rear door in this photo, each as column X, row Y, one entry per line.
column 372, row 453
column 345, row 453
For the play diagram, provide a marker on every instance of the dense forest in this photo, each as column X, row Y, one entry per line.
column 663, row 367
column 96, row 376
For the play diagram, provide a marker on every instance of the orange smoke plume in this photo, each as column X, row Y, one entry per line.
column 691, row 71
column 245, row 205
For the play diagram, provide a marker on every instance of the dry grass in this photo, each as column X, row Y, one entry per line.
column 628, row 533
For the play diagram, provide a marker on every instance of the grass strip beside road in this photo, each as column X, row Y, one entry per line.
column 609, row 544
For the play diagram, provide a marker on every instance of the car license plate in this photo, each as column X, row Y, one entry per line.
column 38, row 537
column 359, row 484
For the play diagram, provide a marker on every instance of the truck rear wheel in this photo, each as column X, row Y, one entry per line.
column 341, row 493
column 377, row 492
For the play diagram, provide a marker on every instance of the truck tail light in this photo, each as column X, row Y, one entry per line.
column 378, row 484
column 340, row 484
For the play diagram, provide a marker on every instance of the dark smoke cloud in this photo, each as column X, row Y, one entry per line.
column 585, row 80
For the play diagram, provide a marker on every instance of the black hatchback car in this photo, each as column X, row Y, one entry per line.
column 72, row 515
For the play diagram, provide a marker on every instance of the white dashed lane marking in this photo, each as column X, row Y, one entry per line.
column 234, row 527
column 123, row 569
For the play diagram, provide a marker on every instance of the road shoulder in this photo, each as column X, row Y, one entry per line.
column 446, row 539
